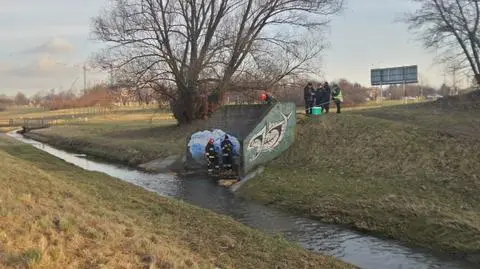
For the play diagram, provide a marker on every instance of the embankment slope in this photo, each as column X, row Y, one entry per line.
column 55, row 215
column 401, row 179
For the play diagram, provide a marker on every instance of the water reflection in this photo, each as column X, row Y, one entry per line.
column 364, row 251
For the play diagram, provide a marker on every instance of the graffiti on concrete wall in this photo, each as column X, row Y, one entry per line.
column 269, row 137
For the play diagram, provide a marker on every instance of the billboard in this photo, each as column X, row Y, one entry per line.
column 394, row 75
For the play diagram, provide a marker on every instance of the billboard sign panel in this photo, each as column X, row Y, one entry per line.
column 394, row 75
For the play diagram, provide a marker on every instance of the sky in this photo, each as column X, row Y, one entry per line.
column 45, row 43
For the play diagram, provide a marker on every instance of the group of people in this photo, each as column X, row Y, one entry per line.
column 212, row 155
column 322, row 96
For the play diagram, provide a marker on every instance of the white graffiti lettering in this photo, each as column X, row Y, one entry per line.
column 269, row 137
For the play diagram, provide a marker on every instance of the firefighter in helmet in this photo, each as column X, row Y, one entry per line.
column 211, row 155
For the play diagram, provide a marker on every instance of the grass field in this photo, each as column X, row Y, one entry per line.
column 19, row 114
column 128, row 138
column 55, row 215
column 128, row 134
column 407, row 172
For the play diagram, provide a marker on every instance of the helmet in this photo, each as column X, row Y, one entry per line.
column 211, row 140
column 263, row 96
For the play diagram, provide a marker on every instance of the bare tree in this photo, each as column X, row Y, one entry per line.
column 144, row 95
column 5, row 102
column 21, row 100
column 452, row 26
column 178, row 47
column 37, row 99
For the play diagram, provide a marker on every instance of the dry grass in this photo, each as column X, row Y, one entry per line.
column 13, row 112
column 127, row 138
column 31, row 112
column 54, row 215
column 129, row 142
column 387, row 177
column 7, row 129
column 407, row 172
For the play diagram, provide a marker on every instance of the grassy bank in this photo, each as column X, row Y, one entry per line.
column 128, row 138
column 402, row 179
column 54, row 215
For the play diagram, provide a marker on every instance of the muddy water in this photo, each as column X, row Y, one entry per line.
column 362, row 250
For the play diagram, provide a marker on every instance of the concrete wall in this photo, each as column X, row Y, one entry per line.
column 270, row 137
column 264, row 132
column 236, row 120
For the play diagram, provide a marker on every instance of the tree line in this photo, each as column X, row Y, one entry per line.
column 99, row 95
column 286, row 90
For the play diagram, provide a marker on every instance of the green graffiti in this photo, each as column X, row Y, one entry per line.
column 273, row 135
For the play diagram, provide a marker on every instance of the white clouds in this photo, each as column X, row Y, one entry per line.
column 43, row 66
column 35, row 32
column 46, row 61
column 43, row 73
column 44, row 43
column 34, row 18
column 55, row 45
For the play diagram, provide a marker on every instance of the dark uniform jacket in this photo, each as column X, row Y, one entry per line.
column 227, row 146
column 210, row 151
column 308, row 94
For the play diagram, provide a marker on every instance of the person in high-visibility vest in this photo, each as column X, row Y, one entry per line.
column 337, row 96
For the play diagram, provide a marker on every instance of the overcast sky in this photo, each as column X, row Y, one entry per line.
column 45, row 42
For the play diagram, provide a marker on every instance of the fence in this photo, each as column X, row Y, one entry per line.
column 66, row 116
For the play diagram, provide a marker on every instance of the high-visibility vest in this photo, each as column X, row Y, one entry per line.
column 339, row 96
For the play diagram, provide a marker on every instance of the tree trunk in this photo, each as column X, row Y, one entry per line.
column 477, row 77
column 187, row 107
column 190, row 107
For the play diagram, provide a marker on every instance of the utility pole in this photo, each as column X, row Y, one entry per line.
column 111, row 76
column 404, row 88
column 84, row 78
column 454, row 86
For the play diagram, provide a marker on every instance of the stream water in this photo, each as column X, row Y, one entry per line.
column 365, row 251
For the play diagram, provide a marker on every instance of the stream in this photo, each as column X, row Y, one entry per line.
column 362, row 250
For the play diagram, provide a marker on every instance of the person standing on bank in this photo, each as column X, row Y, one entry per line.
column 319, row 96
column 328, row 94
column 308, row 96
column 337, row 96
